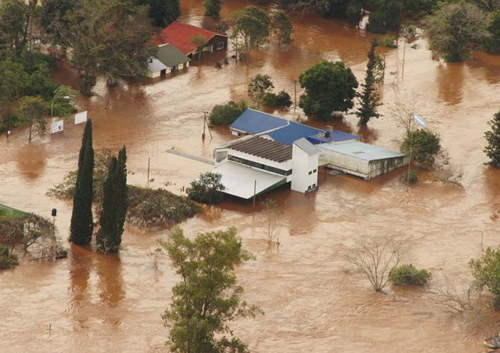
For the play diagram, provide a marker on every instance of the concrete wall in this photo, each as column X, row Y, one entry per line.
column 383, row 166
column 304, row 170
column 348, row 164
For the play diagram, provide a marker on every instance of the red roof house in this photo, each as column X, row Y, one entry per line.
column 181, row 35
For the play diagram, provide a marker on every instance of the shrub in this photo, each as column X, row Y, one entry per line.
column 409, row 178
column 389, row 41
column 272, row 100
column 408, row 275
column 425, row 146
column 7, row 259
column 226, row 114
column 486, row 272
column 207, row 188
column 152, row 208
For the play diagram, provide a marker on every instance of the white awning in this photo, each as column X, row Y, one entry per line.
column 239, row 180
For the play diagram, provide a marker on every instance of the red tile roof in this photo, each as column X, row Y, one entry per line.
column 180, row 35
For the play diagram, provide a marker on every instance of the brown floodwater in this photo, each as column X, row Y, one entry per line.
column 312, row 298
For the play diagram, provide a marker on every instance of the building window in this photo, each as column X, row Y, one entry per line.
column 220, row 45
column 314, row 185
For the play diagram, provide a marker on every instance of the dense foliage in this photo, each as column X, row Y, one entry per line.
column 492, row 149
column 212, row 8
column 162, row 12
column 82, row 220
column 408, row 275
column 369, row 100
column 114, row 205
column 31, row 113
column 158, row 207
column 7, row 259
column 328, row 87
column 259, row 86
column 424, row 145
column 272, row 100
column 208, row 297
column 227, row 113
column 207, row 188
column 486, row 272
column 281, row 28
column 252, row 25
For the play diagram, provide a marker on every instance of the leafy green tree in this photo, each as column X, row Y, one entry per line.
column 272, row 100
column 258, row 87
column 53, row 21
column 329, row 87
column 12, row 25
column 62, row 101
column 209, row 297
column 13, row 77
column 212, row 8
column 162, row 12
column 82, row 220
column 455, row 29
column 207, row 188
column 492, row 149
column 7, row 259
column 114, row 205
column 486, row 272
column 492, row 43
column 369, row 100
column 251, row 24
column 227, row 113
column 31, row 112
column 424, row 145
column 386, row 18
column 281, row 28
column 110, row 38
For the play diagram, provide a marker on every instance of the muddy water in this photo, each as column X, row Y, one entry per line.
column 312, row 299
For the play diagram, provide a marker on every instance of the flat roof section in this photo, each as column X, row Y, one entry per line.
column 361, row 150
column 240, row 180
column 263, row 148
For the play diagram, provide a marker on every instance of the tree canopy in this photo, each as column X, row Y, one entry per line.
column 329, row 86
column 492, row 149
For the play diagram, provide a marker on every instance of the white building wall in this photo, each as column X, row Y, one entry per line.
column 304, row 170
column 283, row 166
column 348, row 164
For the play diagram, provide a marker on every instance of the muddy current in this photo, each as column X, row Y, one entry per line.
column 313, row 299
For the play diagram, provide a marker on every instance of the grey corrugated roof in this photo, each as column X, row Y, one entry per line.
column 264, row 148
column 171, row 56
column 155, row 65
column 307, row 147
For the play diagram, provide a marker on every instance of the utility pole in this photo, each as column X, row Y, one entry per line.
column 205, row 124
column 149, row 163
column 295, row 93
column 254, row 192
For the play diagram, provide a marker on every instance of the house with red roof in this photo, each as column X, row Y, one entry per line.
column 181, row 35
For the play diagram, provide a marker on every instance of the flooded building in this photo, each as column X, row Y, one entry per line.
column 254, row 165
column 360, row 159
column 181, row 36
column 168, row 59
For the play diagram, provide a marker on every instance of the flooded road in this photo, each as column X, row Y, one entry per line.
column 313, row 300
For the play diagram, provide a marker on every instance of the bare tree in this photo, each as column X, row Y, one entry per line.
column 376, row 255
column 403, row 113
column 446, row 172
column 457, row 298
column 271, row 221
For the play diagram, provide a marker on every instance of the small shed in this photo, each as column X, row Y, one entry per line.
column 155, row 68
column 172, row 58
column 360, row 159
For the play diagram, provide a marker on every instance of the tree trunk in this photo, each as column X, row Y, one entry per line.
column 29, row 138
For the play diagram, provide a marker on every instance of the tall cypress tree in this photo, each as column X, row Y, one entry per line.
column 492, row 149
column 114, row 205
column 369, row 97
column 82, row 221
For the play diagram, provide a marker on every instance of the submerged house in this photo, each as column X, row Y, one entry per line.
column 253, row 165
column 273, row 151
column 181, row 36
column 168, row 59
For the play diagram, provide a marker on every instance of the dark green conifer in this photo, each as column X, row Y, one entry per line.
column 82, row 221
column 369, row 97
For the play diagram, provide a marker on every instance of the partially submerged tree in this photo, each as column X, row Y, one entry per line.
column 208, row 297
column 281, row 28
column 212, row 8
column 162, row 12
column 455, row 29
column 252, row 25
column 82, row 220
column 226, row 114
column 200, row 41
column 207, row 188
column 368, row 98
column 328, row 87
column 271, row 221
column 7, row 259
column 423, row 145
column 486, row 272
column 259, row 86
column 492, row 149
column 114, row 205
column 31, row 112
column 375, row 256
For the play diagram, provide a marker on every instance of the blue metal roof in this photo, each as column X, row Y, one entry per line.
column 362, row 150
column 255, row 122
column 291, row 133
column 335, row 136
